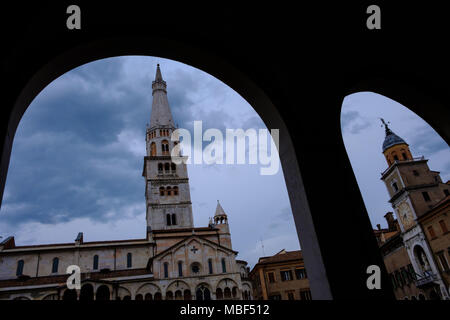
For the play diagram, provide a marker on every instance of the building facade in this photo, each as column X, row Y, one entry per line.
column 414, row 189
column 281, row 277
column 397, row 262
column 175, row 261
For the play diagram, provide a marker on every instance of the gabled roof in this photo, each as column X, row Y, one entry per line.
column 200, row 238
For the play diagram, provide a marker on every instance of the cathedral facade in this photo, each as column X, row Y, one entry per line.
column 175, row 261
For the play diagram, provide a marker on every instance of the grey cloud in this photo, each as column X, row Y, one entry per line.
column 353, row 122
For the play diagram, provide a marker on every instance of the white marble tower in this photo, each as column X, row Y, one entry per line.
column 167, row 193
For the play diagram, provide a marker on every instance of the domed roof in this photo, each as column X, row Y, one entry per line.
column 391, row 138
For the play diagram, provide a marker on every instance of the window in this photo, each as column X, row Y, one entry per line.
column 405, row 157
column 300, row 274
column 271, row 277
column 169, row 191
column 443, row 226
column 446, row 192
column 400, row 281
column 411, row 273
column 443, row 261
column 161, row 191
column 95, row 264
column 416, row 173
column 175, row 191
column 431, row 232
column 160, row 167
column 169, row 221
column 210, row 267
column 395, row 158
column 173, row 167
column 394, row 186
column 166, row 167
column 129, row 260
column 426, row 196
column 19, row 270
column 290, row 295
column 165, row 147
column 405, row 276
column 224, row 267
column 305, row 295
column 180, row 268
column 174, row 219
column 286, row 275
column 152, row 149
column 275, row 297
column 394, row 281
column 55, row 265
column 195, row 268
column 166, row 270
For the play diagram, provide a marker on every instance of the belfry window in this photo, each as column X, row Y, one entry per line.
column 55, row 265
column 173, row 167
column 167, row 167
column 180, row 268
column 19, row 270
column 161, row 191
column 169, row 191
column 165, row 147
column 160, row 167
column 175, row 191
column 168, row 220
column 153, row 149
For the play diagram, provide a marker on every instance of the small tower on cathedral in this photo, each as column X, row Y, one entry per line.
column 221, row 222
column 167, row 189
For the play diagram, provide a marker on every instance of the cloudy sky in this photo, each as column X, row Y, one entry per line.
column 77, row 157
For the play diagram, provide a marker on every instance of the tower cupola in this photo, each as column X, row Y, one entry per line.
column 394, row 147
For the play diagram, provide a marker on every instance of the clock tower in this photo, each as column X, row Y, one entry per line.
column 413, row 189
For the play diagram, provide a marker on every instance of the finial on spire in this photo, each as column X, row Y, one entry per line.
column 388, row 131
column 158, row 77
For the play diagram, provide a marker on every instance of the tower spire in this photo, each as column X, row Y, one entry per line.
column 161, row 115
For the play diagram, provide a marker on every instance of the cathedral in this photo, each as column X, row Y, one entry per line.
column 175, row 261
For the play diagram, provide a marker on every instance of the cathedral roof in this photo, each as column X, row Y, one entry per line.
column 391, row 138
column 219, row 210
column 161, row 115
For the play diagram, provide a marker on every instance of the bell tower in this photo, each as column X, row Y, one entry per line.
column 413, row 189
column 167, row 193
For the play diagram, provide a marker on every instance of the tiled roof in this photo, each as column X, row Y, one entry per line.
column 281, row 257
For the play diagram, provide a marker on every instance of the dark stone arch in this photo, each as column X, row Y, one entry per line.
column 70, row 295
column 103, row 293
column 87, row 292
